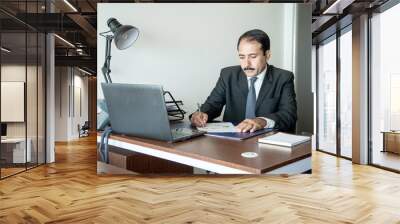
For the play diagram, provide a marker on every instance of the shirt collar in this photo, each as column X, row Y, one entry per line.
column 260, row 77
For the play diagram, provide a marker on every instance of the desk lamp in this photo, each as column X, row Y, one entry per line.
column 124, row 35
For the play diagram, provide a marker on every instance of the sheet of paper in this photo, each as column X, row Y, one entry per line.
column 218, row 127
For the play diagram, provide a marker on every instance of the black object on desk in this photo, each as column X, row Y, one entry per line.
column 175, row 113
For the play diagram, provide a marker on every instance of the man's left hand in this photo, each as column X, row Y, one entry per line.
column 251, row 125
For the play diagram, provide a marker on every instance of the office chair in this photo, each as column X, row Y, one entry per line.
column 84, row 130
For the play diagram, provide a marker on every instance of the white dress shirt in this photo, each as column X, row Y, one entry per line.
column 257, row 87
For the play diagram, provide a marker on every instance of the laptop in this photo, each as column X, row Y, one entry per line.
column 139, row 110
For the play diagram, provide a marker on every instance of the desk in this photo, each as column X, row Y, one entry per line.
column 223, row 156
column 391, row 141
column 13, row 150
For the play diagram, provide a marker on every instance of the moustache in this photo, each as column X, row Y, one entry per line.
column 248, row 69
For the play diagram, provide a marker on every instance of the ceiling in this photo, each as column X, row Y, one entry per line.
column 76, row 20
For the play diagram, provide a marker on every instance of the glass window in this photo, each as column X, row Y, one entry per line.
column 22, row 88
column 327, row 96
column 14, row 153
column 385, row 88
column 31, row 99
column 346, row 94
column 41, row 99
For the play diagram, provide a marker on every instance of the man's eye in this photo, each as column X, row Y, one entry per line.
column 253, row 56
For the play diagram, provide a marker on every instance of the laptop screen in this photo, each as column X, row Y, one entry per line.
column 137, row 110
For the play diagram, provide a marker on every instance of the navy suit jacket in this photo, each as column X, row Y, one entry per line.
column 276, row 99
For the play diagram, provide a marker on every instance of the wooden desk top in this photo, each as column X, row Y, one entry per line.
column 391, row 132
column 14, row 140
column 228, row 152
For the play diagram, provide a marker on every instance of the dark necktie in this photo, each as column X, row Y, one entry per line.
column 251, row 100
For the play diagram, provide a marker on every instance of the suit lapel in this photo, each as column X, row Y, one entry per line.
column 241, row 97
column 265, row 86
column 243, row 86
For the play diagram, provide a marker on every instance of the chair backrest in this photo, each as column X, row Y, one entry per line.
column 86, row 125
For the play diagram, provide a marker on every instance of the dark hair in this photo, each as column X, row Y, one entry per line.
column 256, row 35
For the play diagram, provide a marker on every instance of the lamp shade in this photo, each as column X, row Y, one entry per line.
column 124, row 35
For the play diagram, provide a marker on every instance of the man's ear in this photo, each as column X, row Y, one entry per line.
column 268, row 54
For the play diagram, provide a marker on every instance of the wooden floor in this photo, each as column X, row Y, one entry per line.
column 387, row 159
column 10, row 171
column 69, row 191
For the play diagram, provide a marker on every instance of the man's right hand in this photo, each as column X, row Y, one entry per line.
column 199, row 119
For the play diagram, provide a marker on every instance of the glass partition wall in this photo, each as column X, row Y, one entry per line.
column 334, row 94
column 346, row 95
column 22, row 77
column 326, row 136
column 385, row 89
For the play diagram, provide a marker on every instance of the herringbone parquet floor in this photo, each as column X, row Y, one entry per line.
column 69, row 191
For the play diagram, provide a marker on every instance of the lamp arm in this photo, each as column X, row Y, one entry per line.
column 106, row 67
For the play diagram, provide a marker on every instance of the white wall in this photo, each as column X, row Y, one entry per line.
column 61, row 103
column 80, row 114
column 184, row 46
column 302, row 69
column 70, row 83
column 12, row 99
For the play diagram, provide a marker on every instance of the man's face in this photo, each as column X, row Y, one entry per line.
column 252, row 58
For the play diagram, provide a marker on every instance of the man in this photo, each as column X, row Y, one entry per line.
column 255, row 94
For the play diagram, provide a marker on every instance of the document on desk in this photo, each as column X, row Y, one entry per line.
column 228, row 130
column 239, row 135
column 219, row 127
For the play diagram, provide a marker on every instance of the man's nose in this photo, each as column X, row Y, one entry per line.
column 248, row 63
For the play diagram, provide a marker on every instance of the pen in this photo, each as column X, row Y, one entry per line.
column 198, row 107
column 199, row 110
